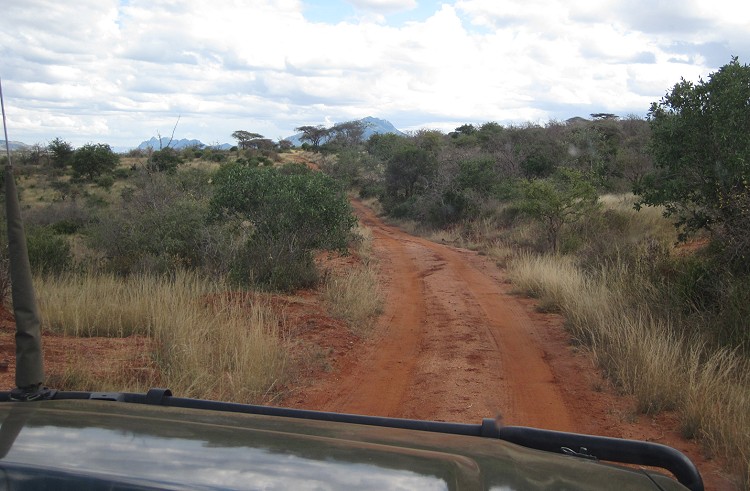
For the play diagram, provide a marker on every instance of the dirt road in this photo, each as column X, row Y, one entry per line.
column 453, row 343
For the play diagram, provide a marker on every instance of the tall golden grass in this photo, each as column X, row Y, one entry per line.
column 354, row 294
column 646, row 355
column 354, row 297
column 204, row 343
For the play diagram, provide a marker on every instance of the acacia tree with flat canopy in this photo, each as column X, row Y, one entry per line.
column 313, row 134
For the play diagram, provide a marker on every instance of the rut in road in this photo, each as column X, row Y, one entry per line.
column 452, row 344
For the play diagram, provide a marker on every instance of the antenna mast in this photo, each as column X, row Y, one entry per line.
column 29, row 363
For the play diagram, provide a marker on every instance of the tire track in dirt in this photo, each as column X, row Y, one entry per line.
column 452, row 344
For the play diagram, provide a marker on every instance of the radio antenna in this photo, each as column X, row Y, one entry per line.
column 29, row 363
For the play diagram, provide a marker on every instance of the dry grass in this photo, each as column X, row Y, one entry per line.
column 646, row 356
column 354, row 294
column 649, row 221
column 204, row 344
column 354, row 297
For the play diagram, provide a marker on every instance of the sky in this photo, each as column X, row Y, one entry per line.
column 122, row 71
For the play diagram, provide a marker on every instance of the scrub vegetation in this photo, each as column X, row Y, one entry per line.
column 182, row 249
column 635, row 230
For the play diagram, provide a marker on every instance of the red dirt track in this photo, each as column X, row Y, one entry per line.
column 449, row 333
column 454, row 344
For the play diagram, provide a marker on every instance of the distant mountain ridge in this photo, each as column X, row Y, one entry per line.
column 155, row 144
column 14, row 145
column 372, row 126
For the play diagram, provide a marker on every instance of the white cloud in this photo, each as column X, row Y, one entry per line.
column 384, row 6
column 121, row 70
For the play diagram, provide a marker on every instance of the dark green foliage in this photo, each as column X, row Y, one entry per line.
column 384, row 146
column 407, row 171
column 92, row 160
column 65, row 227
column 346, row 167
column 701, row 153
column 353, row 168
column 255, row 161
column 453, row 205
column 289, row 199
column 61, row 153
column 212, row 155
column 313, row 135
column 49, row 253
column 537, row 165
column 633, row 159
column 701, row 156
column 293, row 211
column 164, row 160
column 105, row 181
column 345, row 135
column 246, row 139
column 478, row 175
column 709, row 296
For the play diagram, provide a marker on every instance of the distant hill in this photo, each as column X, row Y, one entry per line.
column 13, row 145
column 178, row 144
column 372, row 126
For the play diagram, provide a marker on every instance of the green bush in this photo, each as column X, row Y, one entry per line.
column 293, row 211
column 49, row 253
column 157, row 225
column 92, row 160
column 106, row 182
column 275, row 263
column 164, row 160
column 65, row 227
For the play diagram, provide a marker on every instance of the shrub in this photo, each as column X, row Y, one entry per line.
column 49, row 253
column 156, row 226
column 701, row 155
column 105, row 182
column 562, row 199
column 275, row 263
column 92, row 160
column 293, row 211
column 164, row 160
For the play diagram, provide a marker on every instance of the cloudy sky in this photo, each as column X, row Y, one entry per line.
column 119, row 71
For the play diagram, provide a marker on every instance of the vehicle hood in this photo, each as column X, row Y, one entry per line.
column 96, row 444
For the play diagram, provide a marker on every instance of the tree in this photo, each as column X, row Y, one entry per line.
column 406, row 170
column 62, row 153
column 604, row 116
column 245, row 138
column 313, row 134
column 347, row 134
column 701, row 154
column 92, row 160
column 563, row 198
column 384, row 145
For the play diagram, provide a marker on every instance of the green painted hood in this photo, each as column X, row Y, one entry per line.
column 103, row 445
